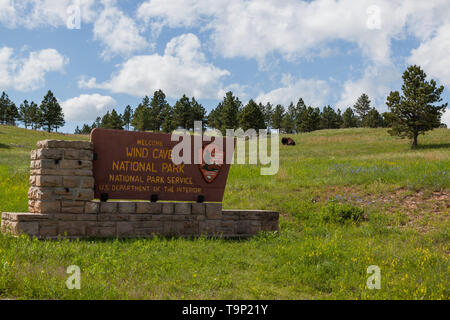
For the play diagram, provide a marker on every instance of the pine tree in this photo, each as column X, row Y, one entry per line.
column 8, row 111
column 309, row 120
column 414, row 112
column 228, row 114
column 349, row 120
column 373, row 119
column 86, row 129
column 362, row 107
column 52, row 115
column 386, row 119
column 97, row 123
column 182, row 113
column 127, row 114
column 330, row 119
column 35, row 116
column 141, row 121
column 157, row 104
column 252, row 117
column 267, row 112
column 298, row 112
column 167, row 125
column 112, row 120
column 215, row 117
column 12, row 115
column 25, row 114
column 106, row 121
column 277, row 117
column 288, row 123
column 198, row 113
column 77, row 130
column 4, row 103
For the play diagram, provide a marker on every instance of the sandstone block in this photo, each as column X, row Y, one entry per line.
column 84, row 194
column 127, row 207
column 108, row 207
column 74, row 154
column 148, row 207
column 45, row 164
column 168, row 208
column 27, row 227
column 213, row 210
column 72, row 206
column 248, row 214
column 44, row 206
column 65, row 144
column 60, row 193
column 190, row 228
column 269, row 225
column 9, row 226
column 230, row 215
column 113, row 217
column 48, row 181
column 143, row 217
column 226, row 227
column 106, row 229
column 72, row 228
column 48, row 229
column 173, row 228
column 56, row 154
column 198, row 208
column 207, row 227
column 183, row 208
column 124, row 229
column 75, row 164
column 91, row 207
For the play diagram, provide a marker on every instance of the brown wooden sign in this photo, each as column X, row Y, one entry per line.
column 139, row 166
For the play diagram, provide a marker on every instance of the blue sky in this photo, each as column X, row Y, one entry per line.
column 328, row 52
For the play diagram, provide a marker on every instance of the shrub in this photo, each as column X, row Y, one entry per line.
column 341, row 212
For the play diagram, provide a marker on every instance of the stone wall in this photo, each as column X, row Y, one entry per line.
column 61, row 204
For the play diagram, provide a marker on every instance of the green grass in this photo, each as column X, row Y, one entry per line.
column 404, row 196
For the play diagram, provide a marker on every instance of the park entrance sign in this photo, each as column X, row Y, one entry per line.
column 111, row 187
column 139, row 166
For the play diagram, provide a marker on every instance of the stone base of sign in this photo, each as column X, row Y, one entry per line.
column 60, row 204
column 110, row 221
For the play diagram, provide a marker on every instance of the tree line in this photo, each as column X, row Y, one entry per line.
column 156, row 114
column 47, row 115
column 411, row 113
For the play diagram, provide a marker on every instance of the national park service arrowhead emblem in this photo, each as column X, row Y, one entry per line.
column 211, row 157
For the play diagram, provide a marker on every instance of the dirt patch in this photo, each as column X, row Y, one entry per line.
column 423, row 210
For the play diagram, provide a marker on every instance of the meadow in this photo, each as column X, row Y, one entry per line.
column 347, row 198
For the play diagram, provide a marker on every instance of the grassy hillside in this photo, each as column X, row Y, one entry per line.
column 402, row 194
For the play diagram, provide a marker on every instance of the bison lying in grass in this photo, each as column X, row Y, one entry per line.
column 288, row 142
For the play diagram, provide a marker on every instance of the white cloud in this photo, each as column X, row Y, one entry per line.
column 433, row 55
column 182, row 69
column 446, row 117
column 294, row 28
column 87, row 107
column 118, row 32
column 25, row 74
column 313, row 92
column 7, row 13
column 377, row 81
column 37, row 13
